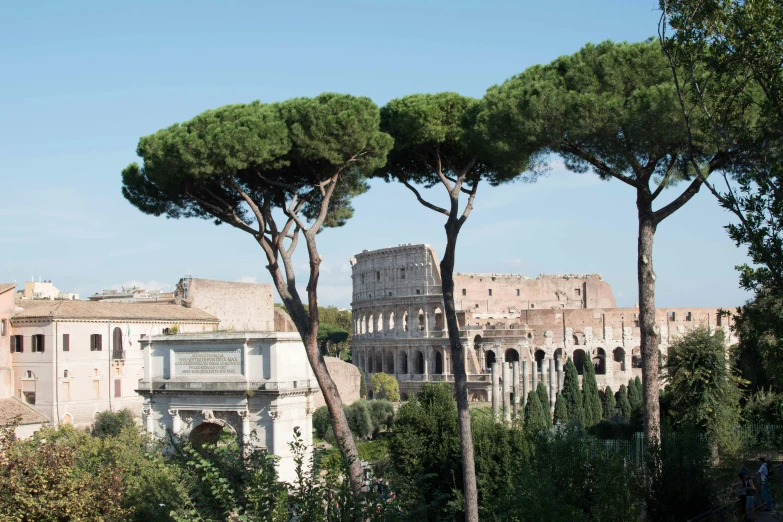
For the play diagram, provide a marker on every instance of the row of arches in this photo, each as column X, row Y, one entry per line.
column 401, row 363
column 401, row 320
column 579, row 357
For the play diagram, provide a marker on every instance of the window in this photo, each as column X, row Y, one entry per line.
column 390, row 294
column 719, row 319
column 38, row 343
column 118, row 387
column 402, row 273
column 2, row 328
column 418, row 291
column 28, row 374
column 96, row 342
column 636, row 323
column 464, row 291
column 476, row 305
column 17, row 343
column 532, row 305
column 688, row 316
column 362, row 278
column 517, row 292
column 66, row 374
column 672, row 316
column 578, row 292
column 369, row 296
column 490, row 292
column 66, row 342
column 377, row 276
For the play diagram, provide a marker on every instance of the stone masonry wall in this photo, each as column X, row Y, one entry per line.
column 242, row 307
column 346, row 377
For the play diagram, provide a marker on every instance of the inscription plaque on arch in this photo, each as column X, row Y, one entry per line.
column 212, row 362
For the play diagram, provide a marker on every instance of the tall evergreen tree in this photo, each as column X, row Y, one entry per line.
column 543, row 397
column 535, row 421
column 609, row 403
column 561, row 410
column 634, row 396
column 624, row 403
column 592, row 401
column 572, row 394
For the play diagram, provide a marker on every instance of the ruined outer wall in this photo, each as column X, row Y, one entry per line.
column 404, row 270
column 509, row 293
column 346, row 377
column 243, row 307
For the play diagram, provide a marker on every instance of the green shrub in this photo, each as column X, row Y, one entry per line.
column 359, row 419
column 111, row 423
column 321, row 422
column 382, row 414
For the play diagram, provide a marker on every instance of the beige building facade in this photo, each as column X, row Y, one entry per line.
column 539, row 322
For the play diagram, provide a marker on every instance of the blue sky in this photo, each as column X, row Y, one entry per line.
column 82, row 81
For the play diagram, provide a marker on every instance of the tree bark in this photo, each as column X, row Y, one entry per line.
column 460, row 374
column 647, row 326
column 334, row 403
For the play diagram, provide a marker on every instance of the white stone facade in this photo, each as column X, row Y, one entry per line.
column 258, row 385
column 399, row 327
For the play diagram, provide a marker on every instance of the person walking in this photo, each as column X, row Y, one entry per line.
column 750, row 497
column 764, row 476
column 742, row 492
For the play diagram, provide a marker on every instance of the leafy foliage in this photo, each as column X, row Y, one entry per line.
column 111, row 423
column 572, row 394
column 624, row 402
column 321, row 422
column 386, row 386
column 359, row 419
column 609, row 403
column 704, row 390
column 592, row 401
column 535, row 420
column 759, row 326
column 382, row 414
column 543, row 398
column 634, row 395
column 561, row 411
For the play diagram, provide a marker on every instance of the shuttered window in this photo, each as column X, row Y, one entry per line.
column 66, row 342
column 39, row 342
column 17, row 343
column 96, row 343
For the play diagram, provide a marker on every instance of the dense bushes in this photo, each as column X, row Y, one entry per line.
column 365, row 418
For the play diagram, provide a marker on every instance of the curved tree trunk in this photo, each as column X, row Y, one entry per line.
column 460, row 375
column 308, row 330
column 649, row 330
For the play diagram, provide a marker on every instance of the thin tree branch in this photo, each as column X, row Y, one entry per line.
column 424, row 201
column 571, row 148
column 662, row 184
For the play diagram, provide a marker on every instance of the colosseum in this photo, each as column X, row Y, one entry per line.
column 538, row 322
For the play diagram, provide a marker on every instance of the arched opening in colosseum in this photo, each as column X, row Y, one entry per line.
column 421, row 320
column 403, row 396
column 540, row 356
column 579, row 360
column 512, row 355
column 418, row 362
column 636, row 357
column 403, row 366
column 576, row 340
column 477, row 343
column 558, row 355
column 389, row 363
column 380, row 322
column 490, row 358
column 438, row 363
column 406, row 322
column 618, row 357
column 438, row 319
column 392, row 324
column 371, row 322
column 599, row 361
column 378, row 362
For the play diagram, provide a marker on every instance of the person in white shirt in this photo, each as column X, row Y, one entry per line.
column 764, row 476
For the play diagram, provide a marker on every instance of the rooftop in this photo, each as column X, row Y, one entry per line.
column 14, row 411
column 113, row 311
column 4, row 287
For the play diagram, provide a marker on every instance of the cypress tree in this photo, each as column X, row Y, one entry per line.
column 609, row 403
column 625, row 404
column 572, row 394
column 561, row 410
column 639, row 391
column 535, row 421
column 543, row 397
column 634, row 397
column 362, row 385
column 592, row 401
